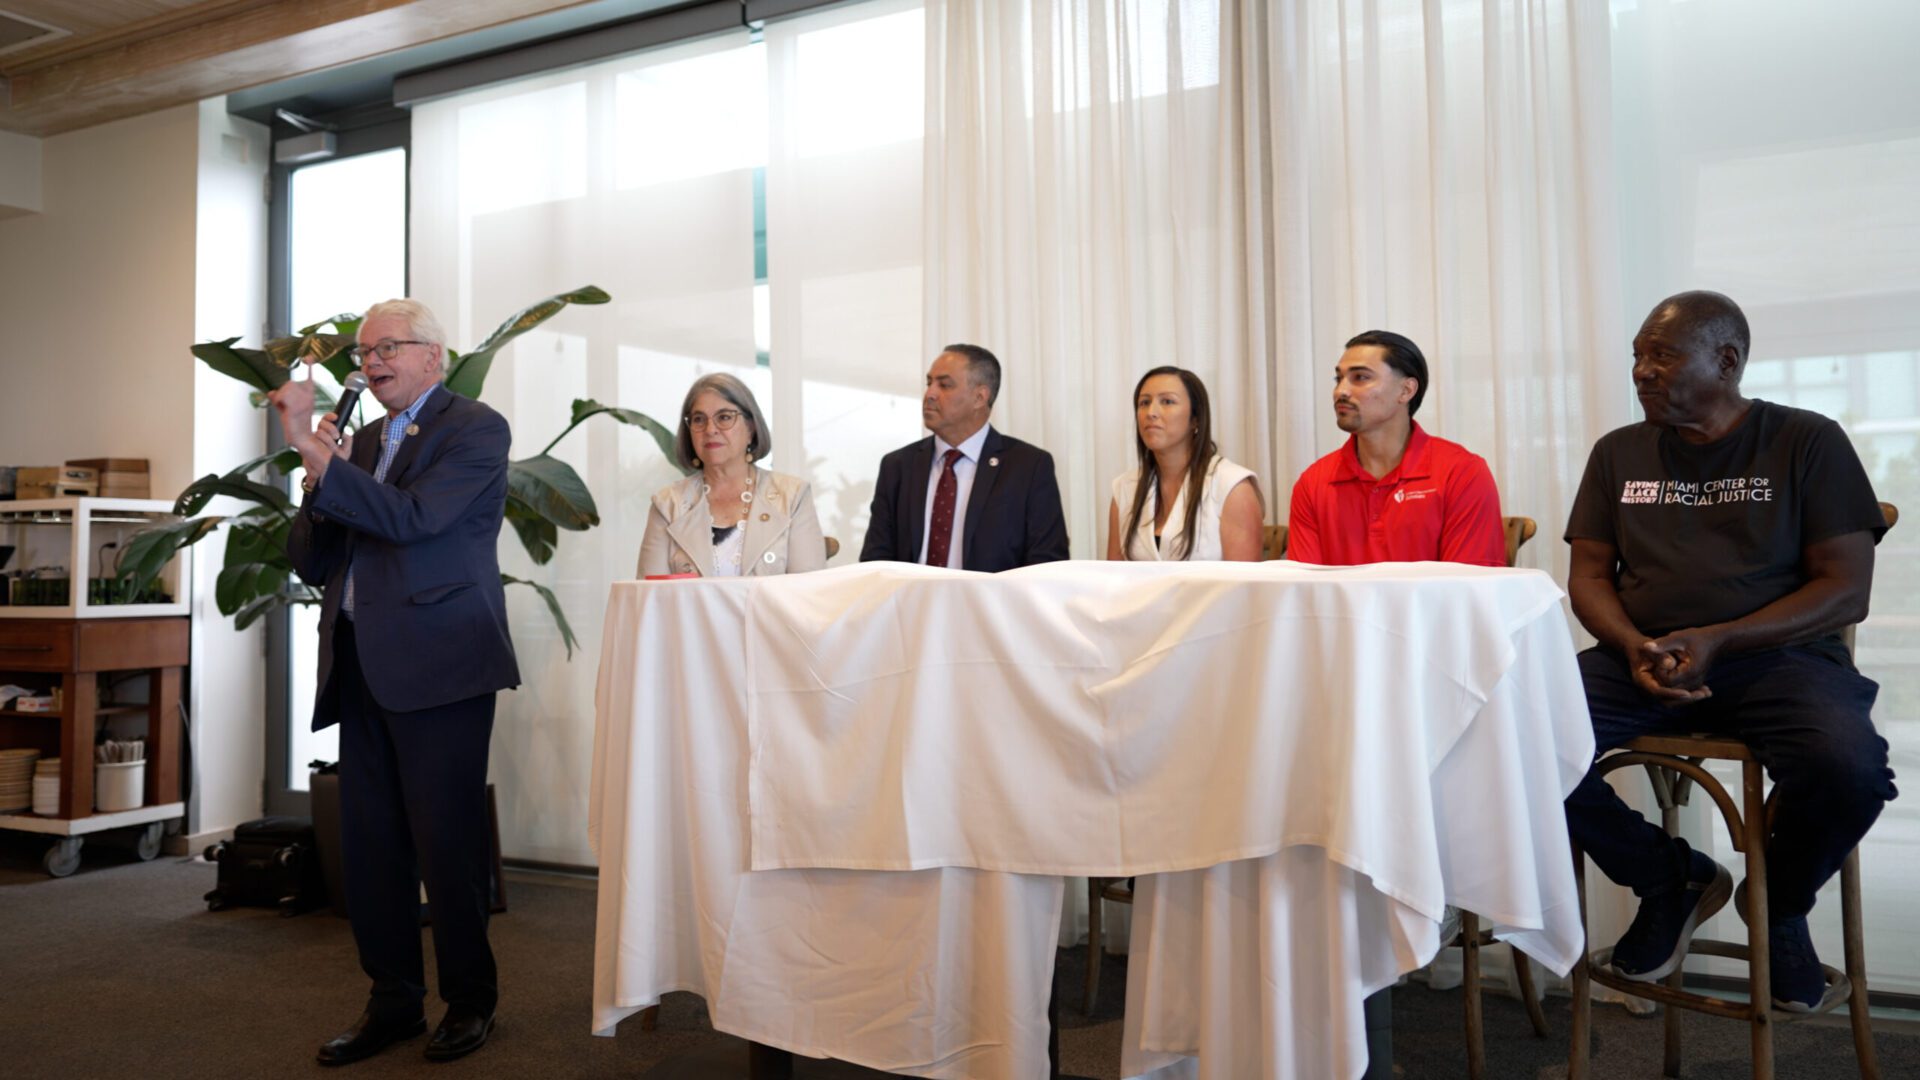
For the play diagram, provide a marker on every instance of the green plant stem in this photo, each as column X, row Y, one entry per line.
column 569, row 430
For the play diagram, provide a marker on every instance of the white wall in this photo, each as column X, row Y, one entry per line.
column 149, row 233
column 230, row 297
column 19, row 174
column 96, row 295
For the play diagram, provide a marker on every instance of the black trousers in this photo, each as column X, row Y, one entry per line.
column 1805, row 712
column 413, row 808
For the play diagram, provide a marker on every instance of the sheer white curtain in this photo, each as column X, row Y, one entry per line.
column 661, row 177
column 843, row 248
column 1237, row 187
column 1788, row 179
column 636, row 175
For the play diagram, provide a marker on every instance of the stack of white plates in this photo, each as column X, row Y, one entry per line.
column 46, row 787
column 16, row 778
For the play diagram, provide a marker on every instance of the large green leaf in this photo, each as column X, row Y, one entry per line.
column 256, row 565
column 283, row 461
column 467, row 374
column 261, row 542
column 236, row 482
column 537, row 534
column 553, row 608
column 346, row 322
column 146, row 552
column 330, row 351
column 664, row 437
column 550, row 488
column 323, row 401
column 252, row 611
column 236, row 587
column 251, row 366
column 202, row 491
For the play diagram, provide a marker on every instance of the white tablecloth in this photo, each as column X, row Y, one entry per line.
column 1314, row 762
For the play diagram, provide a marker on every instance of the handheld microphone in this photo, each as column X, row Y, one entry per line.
column 356, row 381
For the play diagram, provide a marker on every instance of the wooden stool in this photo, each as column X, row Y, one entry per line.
column 1099, row 890
column 1674, row 764
column 1470, row 939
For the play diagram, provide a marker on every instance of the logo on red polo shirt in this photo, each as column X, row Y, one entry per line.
column 1403, row 494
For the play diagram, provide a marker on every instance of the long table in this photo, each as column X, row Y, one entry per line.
column 841, row 805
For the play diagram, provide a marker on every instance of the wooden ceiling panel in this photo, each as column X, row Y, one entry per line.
column 83, row 17
column 193, row 51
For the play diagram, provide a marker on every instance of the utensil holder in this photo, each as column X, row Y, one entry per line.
column 119, row 786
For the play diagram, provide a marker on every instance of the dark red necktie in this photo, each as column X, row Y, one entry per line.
column 940, row 532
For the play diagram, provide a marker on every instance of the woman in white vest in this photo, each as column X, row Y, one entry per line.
column 729, row 518
column 1184, row 501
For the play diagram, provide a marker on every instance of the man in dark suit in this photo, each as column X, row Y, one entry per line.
column 967, row 497
column 399, row 528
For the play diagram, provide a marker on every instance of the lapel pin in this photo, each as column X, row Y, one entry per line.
column 766, row 517
column 993, row 463
column 413, row 429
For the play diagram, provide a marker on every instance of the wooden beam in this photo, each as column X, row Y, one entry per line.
column 81, row 17
column 219, row 46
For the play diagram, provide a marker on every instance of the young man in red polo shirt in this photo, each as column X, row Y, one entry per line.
column 1393, row 493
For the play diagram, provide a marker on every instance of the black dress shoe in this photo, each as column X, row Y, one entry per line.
column 461, row 1032
column 368, row 1036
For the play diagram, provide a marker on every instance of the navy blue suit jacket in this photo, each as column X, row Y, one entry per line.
column 1013, row 512
column 430, row 616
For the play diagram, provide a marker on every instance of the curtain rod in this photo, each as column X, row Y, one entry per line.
column 600, row 43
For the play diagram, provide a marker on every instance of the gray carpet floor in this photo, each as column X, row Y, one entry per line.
column 120, row 971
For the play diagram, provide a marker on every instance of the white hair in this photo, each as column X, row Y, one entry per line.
column 421, row 323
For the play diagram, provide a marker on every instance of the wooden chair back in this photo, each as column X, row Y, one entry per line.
column 1519, row 531
column 1275, row 544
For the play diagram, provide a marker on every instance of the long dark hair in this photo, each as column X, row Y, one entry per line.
column 1200, row 442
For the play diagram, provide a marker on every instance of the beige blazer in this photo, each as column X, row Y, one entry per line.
column 782, row 534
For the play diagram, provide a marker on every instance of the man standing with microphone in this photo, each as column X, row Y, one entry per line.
column 400, row 528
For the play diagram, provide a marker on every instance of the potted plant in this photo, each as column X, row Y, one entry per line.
column 544, row 493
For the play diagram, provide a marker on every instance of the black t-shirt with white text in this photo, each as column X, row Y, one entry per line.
column 1708, row 534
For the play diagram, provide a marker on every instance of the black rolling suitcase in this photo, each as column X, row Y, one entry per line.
column 268, row 863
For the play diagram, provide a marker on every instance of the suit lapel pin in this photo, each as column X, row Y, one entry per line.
column 993, row 463
column 413, row 429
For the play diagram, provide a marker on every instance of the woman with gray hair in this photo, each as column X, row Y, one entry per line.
column 729, row 518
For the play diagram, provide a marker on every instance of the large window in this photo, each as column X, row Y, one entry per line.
column 1787, row 181
column 346, row 250
column 753, row 207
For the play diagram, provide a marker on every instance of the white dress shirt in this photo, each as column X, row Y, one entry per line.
column 963, row 471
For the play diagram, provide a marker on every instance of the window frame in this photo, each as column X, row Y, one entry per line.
column 280, row 797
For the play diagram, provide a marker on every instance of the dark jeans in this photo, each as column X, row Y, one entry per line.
column 1802, row 709
column 413, row 806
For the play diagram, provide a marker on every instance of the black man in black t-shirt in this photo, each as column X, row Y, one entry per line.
column 1718, row 549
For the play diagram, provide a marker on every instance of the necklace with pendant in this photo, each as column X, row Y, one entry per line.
column 746, row 500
